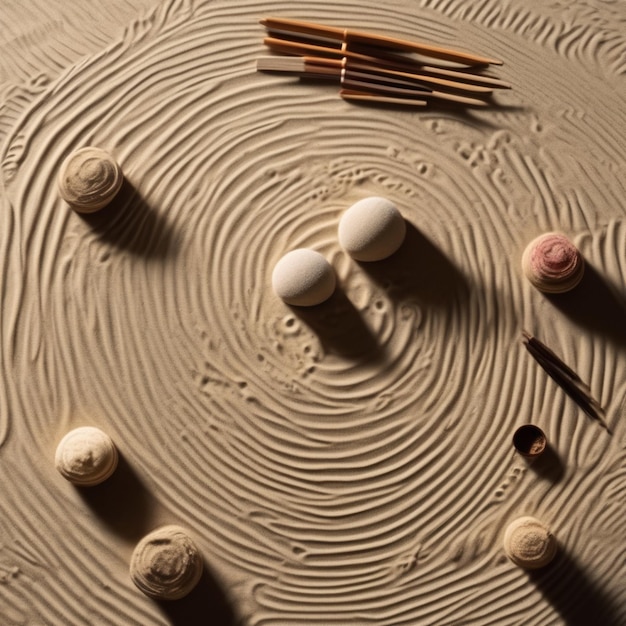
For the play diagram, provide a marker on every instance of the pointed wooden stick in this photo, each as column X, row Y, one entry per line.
column 301, row 48
column 371, row 39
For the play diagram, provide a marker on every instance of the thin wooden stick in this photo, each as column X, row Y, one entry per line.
column 361, row 96
column 300, row 48
column 370, row 39
column 298, row 65
column 313, row 67
column 479, row 79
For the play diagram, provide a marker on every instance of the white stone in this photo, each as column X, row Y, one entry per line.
column 371, row 229
column 303, row 277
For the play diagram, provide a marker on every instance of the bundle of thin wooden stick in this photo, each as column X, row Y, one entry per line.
column 377, row 68
column 566, row 378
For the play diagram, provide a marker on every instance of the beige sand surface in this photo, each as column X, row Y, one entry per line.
column 345, row 465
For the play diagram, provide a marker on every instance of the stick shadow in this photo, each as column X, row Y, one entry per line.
column 131, row 224
column 467, row 114
column 593, row 305
column 122, row 502
column 207, row 603
column 577, row 598
column 419, row 271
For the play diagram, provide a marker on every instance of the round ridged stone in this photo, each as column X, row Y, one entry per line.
column 89, row 179
column 552, row 263
column 166, row 564
column 529, row 543
column 86, row 456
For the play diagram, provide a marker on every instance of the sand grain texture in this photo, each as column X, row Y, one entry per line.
column 350, row 464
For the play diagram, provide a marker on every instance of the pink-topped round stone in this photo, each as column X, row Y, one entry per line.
column 552, row 263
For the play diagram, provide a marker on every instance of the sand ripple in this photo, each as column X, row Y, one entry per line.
column 351, row 463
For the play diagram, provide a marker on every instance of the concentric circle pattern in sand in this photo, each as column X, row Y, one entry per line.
column 351, row 463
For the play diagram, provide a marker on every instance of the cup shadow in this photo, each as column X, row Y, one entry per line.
column 207, row 603
column 593, row 305
column 577, row 598
column 340, row 328
column 419, row 271
column 548, row 465
column 130, row 223
column 122, row 502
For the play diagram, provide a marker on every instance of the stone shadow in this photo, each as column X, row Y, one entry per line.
column 419, row 271
column 575, row 596
column 207, row 603
column 122, row 502
column 340, row 328
column 130, row 223
column 593, row 305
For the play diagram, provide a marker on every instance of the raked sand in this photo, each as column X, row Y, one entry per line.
column 347, row 464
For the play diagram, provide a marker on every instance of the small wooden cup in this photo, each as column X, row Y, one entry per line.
column 530, row 441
